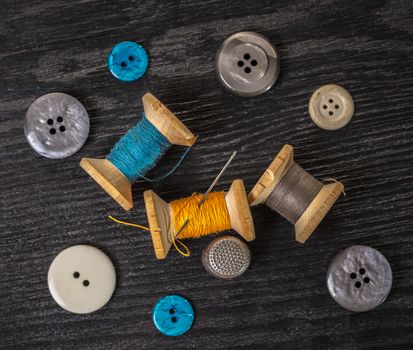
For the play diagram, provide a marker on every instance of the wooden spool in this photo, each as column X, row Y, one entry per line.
column 110, row 178
column 161, row 221
column 314, row 213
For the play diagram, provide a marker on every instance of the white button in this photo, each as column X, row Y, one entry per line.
column 331, row 107
column 81, row 279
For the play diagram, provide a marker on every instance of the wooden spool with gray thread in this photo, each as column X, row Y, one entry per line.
column 295, row 194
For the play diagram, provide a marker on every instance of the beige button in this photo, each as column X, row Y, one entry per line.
column 81, row 279
column 331, row 107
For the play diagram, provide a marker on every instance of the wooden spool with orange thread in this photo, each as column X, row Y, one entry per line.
column 161, row 217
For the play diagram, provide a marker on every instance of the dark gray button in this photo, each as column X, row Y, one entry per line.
column 56, row 125
column 226, row 257
column 247, row 64
column 359, row 278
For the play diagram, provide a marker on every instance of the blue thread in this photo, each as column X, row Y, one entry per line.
column 139, row 150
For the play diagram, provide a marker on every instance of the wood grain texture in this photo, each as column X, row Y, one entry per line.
column 282, row 301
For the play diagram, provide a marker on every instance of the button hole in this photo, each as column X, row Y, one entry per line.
column 50, row 121
column 247, row 56
column 362, row 271
column 336, row 106
column 331, row 100
column 353, row 275
column 62, row 128
column 254, row 63
column 331, row 112
column 357, row 284
column 123, row 64
column 85, row 283
column 325, row 106
column 59, row 119
column 240, row 63
column 171, row 311
column 247, row 70
column 366, row 280
column 174, row 319
column 52, row 131
column 131, row 58
column 76, row 274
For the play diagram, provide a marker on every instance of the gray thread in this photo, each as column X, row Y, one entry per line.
column 294, row 193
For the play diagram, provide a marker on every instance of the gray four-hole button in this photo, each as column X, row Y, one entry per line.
column 56, row 125
column 247, row 64
column 359, row 278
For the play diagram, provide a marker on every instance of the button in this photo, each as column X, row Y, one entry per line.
column 81, row 279
column 359, row 278
column 226, row 257
column 331, row 107
column 173, row 315
column 247, row 64
column 56, row 125
column 128, row 61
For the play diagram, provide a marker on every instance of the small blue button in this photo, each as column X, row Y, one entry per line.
column 128, row 61
column 173, row 315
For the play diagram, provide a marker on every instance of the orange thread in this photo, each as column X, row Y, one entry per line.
column 212, row 216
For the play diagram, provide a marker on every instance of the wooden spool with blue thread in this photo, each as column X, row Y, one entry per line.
column 110, row 178
column 319, row 205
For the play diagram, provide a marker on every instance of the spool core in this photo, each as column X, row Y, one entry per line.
column 110, row 178
column 317, row 209
column 160, row 217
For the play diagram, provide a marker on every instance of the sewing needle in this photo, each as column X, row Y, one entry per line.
column 217, row 178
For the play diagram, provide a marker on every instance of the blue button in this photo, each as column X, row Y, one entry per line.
column 173, row 315
column 128, row 61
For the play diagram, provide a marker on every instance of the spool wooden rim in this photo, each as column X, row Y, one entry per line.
column 318, row 208
column 111, row 178
column 166, row 122
column 272, row 176
column 160, row 217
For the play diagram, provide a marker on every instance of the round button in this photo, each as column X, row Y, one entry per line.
column 81, row 279
column 247, row 64
column 128, row 61
column 226, row 257
column 359, row 278
column 56, row 125
column 173, row 315
column 331, row 107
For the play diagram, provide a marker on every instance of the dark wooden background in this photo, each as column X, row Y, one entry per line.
column 282, row 301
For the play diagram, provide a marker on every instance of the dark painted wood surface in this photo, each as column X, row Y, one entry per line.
column 282, row 301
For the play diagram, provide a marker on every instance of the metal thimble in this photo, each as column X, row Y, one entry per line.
column 226, row 257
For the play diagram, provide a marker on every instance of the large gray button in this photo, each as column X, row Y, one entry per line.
column 226, row 257
column 81, row 279
column 247, row 64
column 56, row 125
column 359, row 278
